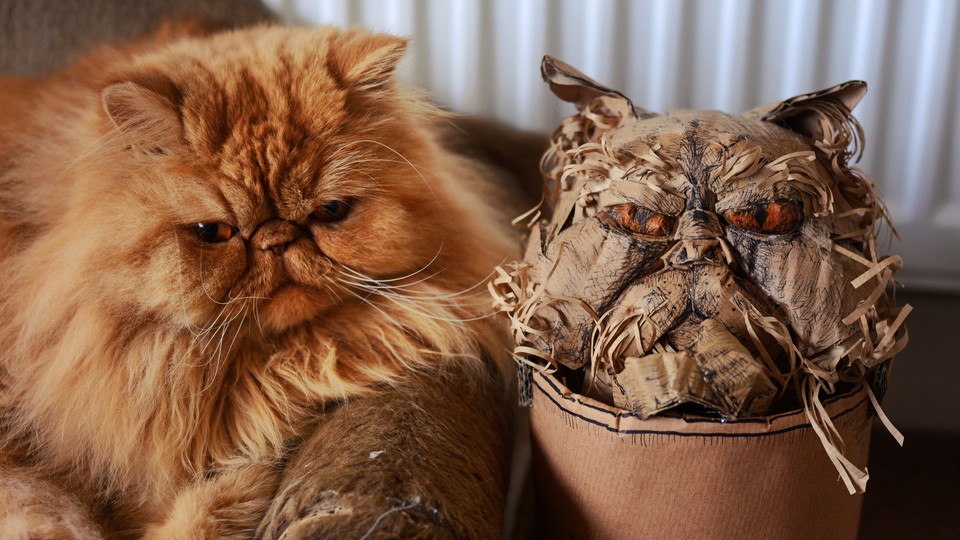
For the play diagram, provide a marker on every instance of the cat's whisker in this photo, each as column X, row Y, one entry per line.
column 215, row 322
column 203, row 287
column 210, row 339
column 400, row 278
column 406, row 161
column 237, row 332
column 479, row 287
column 402, row 161
column 372, row 284
column 248, row 297
column 219, row 352
column 389, row 284
column 372, row 178
column 226, row 327
column 383, row 287
column 419, row 302
column 207, row 330
column 351, row 165
column 256, row 316
column 371, row 304
column 423, row 295
column 333, row 295
column 442, row 300
column 221, row 330
column 346, row 165
column 406, row 293
column 405, row 304
column 420, row 307
column 229, row 299
column 474, row 290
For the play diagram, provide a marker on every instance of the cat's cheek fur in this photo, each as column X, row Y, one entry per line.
column 385, row 240
column 183, row 280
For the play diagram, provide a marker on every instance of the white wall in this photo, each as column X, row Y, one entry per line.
column 482, row 56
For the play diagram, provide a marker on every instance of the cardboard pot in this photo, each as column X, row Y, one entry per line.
column 601, row 472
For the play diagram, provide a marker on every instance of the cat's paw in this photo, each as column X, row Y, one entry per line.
column 332, row 515
column 32, row 509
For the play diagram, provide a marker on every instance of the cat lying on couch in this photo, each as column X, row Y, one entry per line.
column 238, row 297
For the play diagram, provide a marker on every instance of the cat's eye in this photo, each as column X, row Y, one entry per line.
column 639, row 220
column 214, row 233
column 777, row 217
column 332, row 211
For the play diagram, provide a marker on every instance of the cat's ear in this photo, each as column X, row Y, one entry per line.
column 570, row 85
column 146, row 111
column 816, row 115
column 365, row 61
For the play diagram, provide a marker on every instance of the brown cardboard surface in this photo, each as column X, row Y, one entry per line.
column 602, row 472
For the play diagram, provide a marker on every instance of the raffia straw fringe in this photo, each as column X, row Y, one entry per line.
column 515, row 295
column 529, row 218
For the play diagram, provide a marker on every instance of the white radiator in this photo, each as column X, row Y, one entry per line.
column 483, row 56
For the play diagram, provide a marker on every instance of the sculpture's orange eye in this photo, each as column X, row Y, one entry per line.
column 777, row 217
column 637, row 219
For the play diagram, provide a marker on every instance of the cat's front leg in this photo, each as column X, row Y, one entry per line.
column 35, row 509
column 231, row 504
column 423, row 459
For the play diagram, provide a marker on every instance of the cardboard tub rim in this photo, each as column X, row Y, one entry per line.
column 624, row 422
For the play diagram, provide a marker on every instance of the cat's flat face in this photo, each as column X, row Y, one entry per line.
column 696, row 239
column 266, row 167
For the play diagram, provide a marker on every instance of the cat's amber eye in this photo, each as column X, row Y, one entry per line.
column 637, row 219
column 332, row 211
column 777, row 217
column 214, row 233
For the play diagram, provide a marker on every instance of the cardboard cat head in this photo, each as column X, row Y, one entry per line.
column 703, row 257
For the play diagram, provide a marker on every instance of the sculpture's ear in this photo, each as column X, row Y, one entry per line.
column 570, row 85
column 815, row 113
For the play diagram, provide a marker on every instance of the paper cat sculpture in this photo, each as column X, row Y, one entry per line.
column 701, row 257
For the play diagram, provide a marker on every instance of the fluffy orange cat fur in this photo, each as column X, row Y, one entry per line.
column 205, row 241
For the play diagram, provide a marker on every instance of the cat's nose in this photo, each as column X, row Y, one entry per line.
column 275, row 235
column 699, row 233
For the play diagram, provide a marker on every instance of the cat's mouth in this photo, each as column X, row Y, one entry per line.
column 295, row 288
column 285, row 288
column 290, row 304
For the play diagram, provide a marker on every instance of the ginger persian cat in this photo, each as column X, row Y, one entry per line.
column 214, row 248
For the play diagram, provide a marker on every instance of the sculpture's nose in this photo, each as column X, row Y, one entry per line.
column 275, row 235
column 699, row 233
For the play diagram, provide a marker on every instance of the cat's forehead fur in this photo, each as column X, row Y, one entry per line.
column 255, row 76
column 271, row 109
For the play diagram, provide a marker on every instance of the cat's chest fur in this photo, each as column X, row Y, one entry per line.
column 166, row 411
